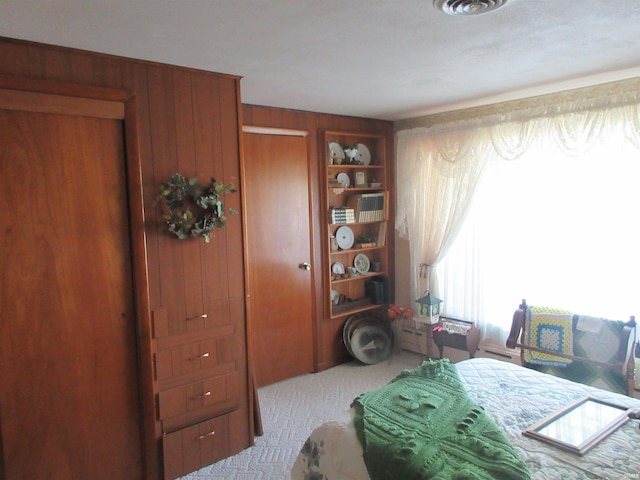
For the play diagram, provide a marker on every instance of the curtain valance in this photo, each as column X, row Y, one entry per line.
column 442, row 158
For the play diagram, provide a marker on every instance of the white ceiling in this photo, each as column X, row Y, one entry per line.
column 386, row 59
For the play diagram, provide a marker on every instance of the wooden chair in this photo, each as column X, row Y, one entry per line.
column 618, row 372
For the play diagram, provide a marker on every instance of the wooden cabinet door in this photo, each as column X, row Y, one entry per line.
column 276, row 189
column 69, row 405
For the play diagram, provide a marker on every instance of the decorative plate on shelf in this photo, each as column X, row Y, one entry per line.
column 345, row 238
column 335, row 151
column 337, row 268
column 363, row 155
column 344, row 179
column 361, row 262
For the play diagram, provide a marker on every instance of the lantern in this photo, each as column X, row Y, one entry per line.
column 428, row 309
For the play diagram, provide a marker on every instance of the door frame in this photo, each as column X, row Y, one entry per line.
column 121, row 105
column 284, row 132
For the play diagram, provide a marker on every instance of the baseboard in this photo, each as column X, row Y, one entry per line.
column 498, row 352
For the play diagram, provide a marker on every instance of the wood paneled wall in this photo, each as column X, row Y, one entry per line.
column 188, row 122
column 330, row 349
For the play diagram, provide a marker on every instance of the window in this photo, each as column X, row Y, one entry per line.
column 536, row 199
column 557, row 229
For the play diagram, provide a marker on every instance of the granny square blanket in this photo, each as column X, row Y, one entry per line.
column 550, row 329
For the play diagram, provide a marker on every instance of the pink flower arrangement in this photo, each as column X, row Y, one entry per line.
column 395, row 312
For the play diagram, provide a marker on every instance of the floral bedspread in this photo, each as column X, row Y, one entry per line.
column 515, row 398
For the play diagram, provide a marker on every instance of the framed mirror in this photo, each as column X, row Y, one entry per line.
column 580, row 426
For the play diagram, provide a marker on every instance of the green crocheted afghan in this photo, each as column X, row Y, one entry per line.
column 423, row 425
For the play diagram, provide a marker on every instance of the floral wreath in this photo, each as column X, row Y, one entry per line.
column 194, row 210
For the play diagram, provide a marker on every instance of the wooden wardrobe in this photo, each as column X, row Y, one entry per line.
column 122, row 349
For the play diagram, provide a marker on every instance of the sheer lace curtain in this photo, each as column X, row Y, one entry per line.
column 534, row 200
column 436, row 181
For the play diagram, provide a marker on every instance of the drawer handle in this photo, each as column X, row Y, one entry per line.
column 202, row 395
column 200, row 357
column 204, row 315
column 210, row 434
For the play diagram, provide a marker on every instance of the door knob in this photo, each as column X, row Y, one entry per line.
column 304, row 266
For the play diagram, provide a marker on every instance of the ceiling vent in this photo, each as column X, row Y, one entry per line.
column 468, row 7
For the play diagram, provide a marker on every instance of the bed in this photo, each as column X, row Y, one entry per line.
column 515, row 398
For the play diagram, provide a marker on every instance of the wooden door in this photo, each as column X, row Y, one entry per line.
column 276, row 189
column 69, row 405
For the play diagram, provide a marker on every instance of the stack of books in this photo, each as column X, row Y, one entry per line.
column 368, row 207
column 376, row 290
column 341, row 215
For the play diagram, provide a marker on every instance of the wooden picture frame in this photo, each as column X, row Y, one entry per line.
column 580, row 426
column 360, row 178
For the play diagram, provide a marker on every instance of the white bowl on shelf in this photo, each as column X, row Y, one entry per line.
column 375, row 184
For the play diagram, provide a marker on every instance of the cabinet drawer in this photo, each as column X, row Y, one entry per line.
column 219, row 391
column 174, row 361
column 183, row 319
column 196, row 446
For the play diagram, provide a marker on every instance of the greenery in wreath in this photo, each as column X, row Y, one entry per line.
column 194, row 209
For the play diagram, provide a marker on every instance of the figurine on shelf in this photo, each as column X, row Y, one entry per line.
column 333, row 243
column 351, row 151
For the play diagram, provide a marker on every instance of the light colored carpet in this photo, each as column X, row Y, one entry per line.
column 293, row 408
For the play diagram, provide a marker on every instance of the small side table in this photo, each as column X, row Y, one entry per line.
column 469, row 340
column 416, row 337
